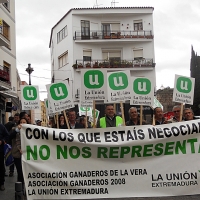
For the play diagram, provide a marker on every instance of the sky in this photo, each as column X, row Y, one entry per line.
column 176, row 30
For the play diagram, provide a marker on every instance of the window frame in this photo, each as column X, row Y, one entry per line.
column 7, row 5
column 63, row 60
column 62, row 34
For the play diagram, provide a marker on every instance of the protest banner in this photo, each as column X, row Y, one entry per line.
column 86, row 103
column 119, row 87
column 111, row 162
column 84, row 111
column 60, row 96
column 30, row 98
column 142, row 92
column 183, row 89
column 93, row 84
column 95, row 116
column 49, row 111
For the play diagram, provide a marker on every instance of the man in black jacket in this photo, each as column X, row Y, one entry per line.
column 72, row 120
column 3, row 138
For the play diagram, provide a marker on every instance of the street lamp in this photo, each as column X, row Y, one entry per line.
column 29, row 70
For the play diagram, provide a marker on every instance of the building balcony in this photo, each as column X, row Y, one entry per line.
column 113, row 35
column 4, row 76
column 80, row 64
column 5, row 85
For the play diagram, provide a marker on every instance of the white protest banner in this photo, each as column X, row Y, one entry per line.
column 49, row 111
column 157, row 103
column 86, row 103
column 142, row 92
column 96, row 116
column 30, row 98
column 60, row 96
column 93, row 84
column 119, row 87
column 82, row 111
column 183, row 89
column 139, row 161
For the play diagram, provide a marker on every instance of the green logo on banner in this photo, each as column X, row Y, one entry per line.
column 118, row 81
column 84, row 109
column 30, row 93
column 96, row 113
column 93, row 79
column 184, row 85
column 58, row 91
column 47, row 103
column 142, row 86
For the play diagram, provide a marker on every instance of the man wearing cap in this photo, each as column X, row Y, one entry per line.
column 38, row 122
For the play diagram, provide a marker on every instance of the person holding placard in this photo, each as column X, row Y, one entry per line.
column 177, row 114
column 83, row 121
column 110, row 119
column 189, row 114
column 72, row 120
column 134, row 118
column 16, row 149
column 62, row 122
column 159, row 117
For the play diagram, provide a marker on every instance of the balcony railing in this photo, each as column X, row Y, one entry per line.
column 4, row 76
column 114, row 64
column 95, row 35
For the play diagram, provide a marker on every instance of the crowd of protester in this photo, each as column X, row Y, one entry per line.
column 10, row 132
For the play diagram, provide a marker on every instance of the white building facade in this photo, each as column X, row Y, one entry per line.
column 115, row 38
column 8, row 72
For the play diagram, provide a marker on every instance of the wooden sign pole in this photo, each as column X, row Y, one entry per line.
column 122, row 111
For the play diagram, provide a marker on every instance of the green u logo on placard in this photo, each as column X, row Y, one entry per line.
column 84, row 108
column 118, row 81
column 93, row 79
column 58, row 91
column 30, row 93
column 142, row 86
column 184, row 85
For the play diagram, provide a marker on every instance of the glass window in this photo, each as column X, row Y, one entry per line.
column 7, row 5
column 138, row 25
column 63, row 59
column 61, row 34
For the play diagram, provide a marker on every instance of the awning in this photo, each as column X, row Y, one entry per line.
column 8, row 94
column 4, row 86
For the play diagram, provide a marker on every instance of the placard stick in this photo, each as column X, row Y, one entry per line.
column 66, row 119
column 181, row 114
column 122, row 111
column 141, row 112
column 153, row 119
column 86, row 125
column 54, row 119
column 154, row 122
column 114, row 107
column 57, row 122
column 47, row 121
column 94, row 113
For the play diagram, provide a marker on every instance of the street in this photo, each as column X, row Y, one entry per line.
column 9, row 193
